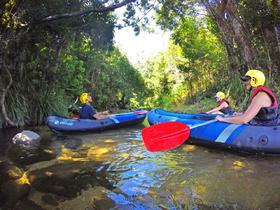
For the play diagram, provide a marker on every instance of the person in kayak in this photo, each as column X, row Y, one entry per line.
column 263, row 107
column 223, row 106
column 87, row 111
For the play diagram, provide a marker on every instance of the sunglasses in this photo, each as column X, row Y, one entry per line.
column 245, row 78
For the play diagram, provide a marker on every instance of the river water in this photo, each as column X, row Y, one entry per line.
column 113, row 170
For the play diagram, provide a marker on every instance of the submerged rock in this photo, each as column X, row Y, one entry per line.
column 14, row 190
column 50, row 199
column 9, row 171
column 68, row 179
column 68, row 141
column 9, row 184
column 27, row 204
column 29, row 156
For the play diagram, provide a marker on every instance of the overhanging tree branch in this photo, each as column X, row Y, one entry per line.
column 85, row 12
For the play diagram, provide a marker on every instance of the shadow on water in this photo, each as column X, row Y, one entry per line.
column 113, row 170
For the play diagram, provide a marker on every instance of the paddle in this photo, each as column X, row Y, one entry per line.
column 134, row 112
column 167, row 135
column 138, row 112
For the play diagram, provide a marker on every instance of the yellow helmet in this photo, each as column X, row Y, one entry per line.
column 220, row 95
column 257, row 77
column 84, row 98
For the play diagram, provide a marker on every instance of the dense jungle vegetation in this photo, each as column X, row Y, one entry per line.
column 53, row 50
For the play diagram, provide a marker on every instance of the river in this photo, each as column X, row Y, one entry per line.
column 113, row 170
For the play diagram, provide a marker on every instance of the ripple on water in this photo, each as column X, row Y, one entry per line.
column 113, row 170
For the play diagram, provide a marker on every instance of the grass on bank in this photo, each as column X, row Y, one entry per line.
column 202, row 106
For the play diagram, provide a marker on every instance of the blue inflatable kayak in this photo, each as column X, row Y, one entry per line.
column 64, row 124
column 239, row 137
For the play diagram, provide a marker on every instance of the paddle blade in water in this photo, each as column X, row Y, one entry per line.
column 165, row 136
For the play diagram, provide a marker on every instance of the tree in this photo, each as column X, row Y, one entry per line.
column 248, row 29
column 37, row 70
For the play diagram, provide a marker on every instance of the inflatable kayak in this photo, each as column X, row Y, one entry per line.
column 238, row 137
column 64, row 124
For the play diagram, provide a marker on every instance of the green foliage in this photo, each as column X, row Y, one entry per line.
column 170, row 12
column 220, row 40
column 159, row 80
column 7, row 12
column 52, row 62
column 112, row 79
column 202, row 50
column 190, row 69
column 202, row 106
column 73, row 79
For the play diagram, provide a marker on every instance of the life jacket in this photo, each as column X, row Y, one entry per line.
column 266, row 113
column 226, row 110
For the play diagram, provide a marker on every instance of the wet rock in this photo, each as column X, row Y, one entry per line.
column 26, row 148
column 50, row 199
column 13, row 172
column 59, row 137
column 27, row 139
column 68, row 141
column 9, row 171
column 68, row 179
column 73, row 143
column 28, row 156
column 103, row 204
column 12, row 191
column 28, row 205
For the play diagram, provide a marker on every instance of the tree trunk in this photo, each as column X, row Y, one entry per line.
column 3, row 96
column 272, row 50
column 227, row 35
column 242, row 36
column 276, row 3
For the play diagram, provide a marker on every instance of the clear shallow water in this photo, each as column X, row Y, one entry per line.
column 113, row 170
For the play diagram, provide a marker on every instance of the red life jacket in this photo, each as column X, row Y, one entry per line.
column 266, row 113
column 226, row 110
column 222, row 101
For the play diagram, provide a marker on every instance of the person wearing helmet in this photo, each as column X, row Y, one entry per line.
column 263, row 107
column 223, row 106
column 87, row 111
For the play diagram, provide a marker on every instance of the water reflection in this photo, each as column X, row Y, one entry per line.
column 113, row 170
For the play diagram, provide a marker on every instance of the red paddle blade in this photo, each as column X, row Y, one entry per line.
column 165, row 136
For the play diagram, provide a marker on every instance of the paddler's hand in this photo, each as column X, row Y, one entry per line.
column 220, row 118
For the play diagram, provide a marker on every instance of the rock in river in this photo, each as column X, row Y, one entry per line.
column 27, row 139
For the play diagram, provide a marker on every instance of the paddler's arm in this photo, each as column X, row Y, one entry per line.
column 257, row 103
column 223, row 105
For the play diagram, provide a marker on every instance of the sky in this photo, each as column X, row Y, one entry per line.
column 139, row 48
